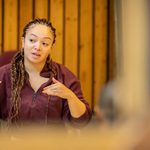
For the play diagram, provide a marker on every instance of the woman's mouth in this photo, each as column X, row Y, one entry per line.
column 36, row 55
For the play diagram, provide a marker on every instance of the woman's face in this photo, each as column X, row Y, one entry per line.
column 37, row 43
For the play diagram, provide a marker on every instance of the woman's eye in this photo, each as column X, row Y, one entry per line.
column 45, row 44
column 32, row 41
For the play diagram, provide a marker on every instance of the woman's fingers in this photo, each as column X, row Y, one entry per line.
column 52, row 86
column 49, row 92
column 52, row 89
column 57, row 89
column 54, row 80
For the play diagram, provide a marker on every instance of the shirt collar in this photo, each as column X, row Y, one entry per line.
column 48, row 70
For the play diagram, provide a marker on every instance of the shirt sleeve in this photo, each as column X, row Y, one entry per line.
column 2, row 88
column 71, row 81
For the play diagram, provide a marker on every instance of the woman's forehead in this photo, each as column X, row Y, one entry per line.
column 39, row 30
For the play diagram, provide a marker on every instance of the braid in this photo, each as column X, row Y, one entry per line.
column 17, row 82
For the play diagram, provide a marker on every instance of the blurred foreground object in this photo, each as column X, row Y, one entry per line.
column 126, row 102
column 128, row 92
column 106, row 108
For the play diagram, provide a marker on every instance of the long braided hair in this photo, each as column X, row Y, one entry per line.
column 18, row 73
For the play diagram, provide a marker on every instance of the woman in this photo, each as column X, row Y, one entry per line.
column 33, row 88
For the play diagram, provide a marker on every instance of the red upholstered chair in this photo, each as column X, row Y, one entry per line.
column 6, row 57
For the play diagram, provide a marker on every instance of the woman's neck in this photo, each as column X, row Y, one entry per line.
column 33, row 68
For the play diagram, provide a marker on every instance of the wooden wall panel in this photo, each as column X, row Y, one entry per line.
column 0, row 26
column 10, row 24
column 71, row 35
column 57, row 51
column 41, row 9
column 86, row 24
column 25, row 8
column 82, row 40
column 100, row 48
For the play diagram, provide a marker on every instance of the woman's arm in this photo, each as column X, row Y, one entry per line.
column 77, row 108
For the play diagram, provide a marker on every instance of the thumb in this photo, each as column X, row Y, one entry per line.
column 54, row 80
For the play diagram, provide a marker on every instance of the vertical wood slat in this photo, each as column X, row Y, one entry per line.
column 25, row 7
column 111, row 48
column 86, row 48
column 57, row 51
column 0, row 26
column 10, row 24
column 41, row 9
column 71, row 35
column 100, row 51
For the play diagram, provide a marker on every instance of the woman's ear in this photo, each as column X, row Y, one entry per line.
column 23, row 42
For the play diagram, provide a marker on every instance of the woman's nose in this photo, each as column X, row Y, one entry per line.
column 37, row 46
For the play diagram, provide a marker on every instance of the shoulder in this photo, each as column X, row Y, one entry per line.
column 5, row 70
column 5, row 76
column 63, row 70
column 65, row 75
column 6, row 57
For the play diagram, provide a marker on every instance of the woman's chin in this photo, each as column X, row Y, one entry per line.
column 35, row 60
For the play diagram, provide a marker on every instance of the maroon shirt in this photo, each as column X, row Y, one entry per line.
column 39, row 107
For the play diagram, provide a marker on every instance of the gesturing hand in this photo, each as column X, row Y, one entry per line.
column 77, row 108
column 58, row 89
